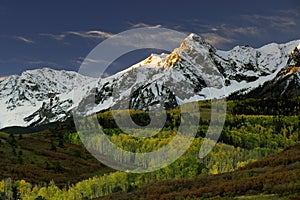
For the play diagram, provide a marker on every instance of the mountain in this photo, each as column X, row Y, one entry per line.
column 194, row 71
column 285, row 83
column 38, row 97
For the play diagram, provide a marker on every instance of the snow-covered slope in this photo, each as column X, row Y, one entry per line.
column 37, row 96
column 161, row 80
column 286, row 82
column 194, row 71
column 245, row 68
column 188, row 74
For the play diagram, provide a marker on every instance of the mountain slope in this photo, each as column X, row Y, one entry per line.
column 161, row 80
column 276, row 174
column 43, row 159
column 37, row 96
column 194, row 71
column 285, row 83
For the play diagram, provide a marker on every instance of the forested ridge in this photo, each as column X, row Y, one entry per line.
column 277, row 174
column 254, row 128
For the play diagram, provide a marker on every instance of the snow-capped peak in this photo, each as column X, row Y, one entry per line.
column 187, row 74
column 193, row 42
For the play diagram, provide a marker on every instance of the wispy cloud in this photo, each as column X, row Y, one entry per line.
column 87, row 61
column 23, row 39
column 232, row 31
column 41, row 62
column 143, row 25
column 250, row 30
column 93, row 34
column 216, row 39
column 282, row 23
column 222, row 35
column 91, row 67
column 256, row 28
column 291, row 12
column 54, row 36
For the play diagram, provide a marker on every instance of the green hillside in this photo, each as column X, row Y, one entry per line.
column 44, row 156
column 53, row 164
column 273, row 177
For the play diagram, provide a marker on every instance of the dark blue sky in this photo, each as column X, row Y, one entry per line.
column 59, row 34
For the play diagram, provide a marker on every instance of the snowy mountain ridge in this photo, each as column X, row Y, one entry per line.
column 22, row 97
column 187, row 74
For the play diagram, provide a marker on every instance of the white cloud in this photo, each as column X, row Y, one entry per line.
column 87, row 61
column 93, row 34
column 23, row 39
column 216, row 39
column 143, row 25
